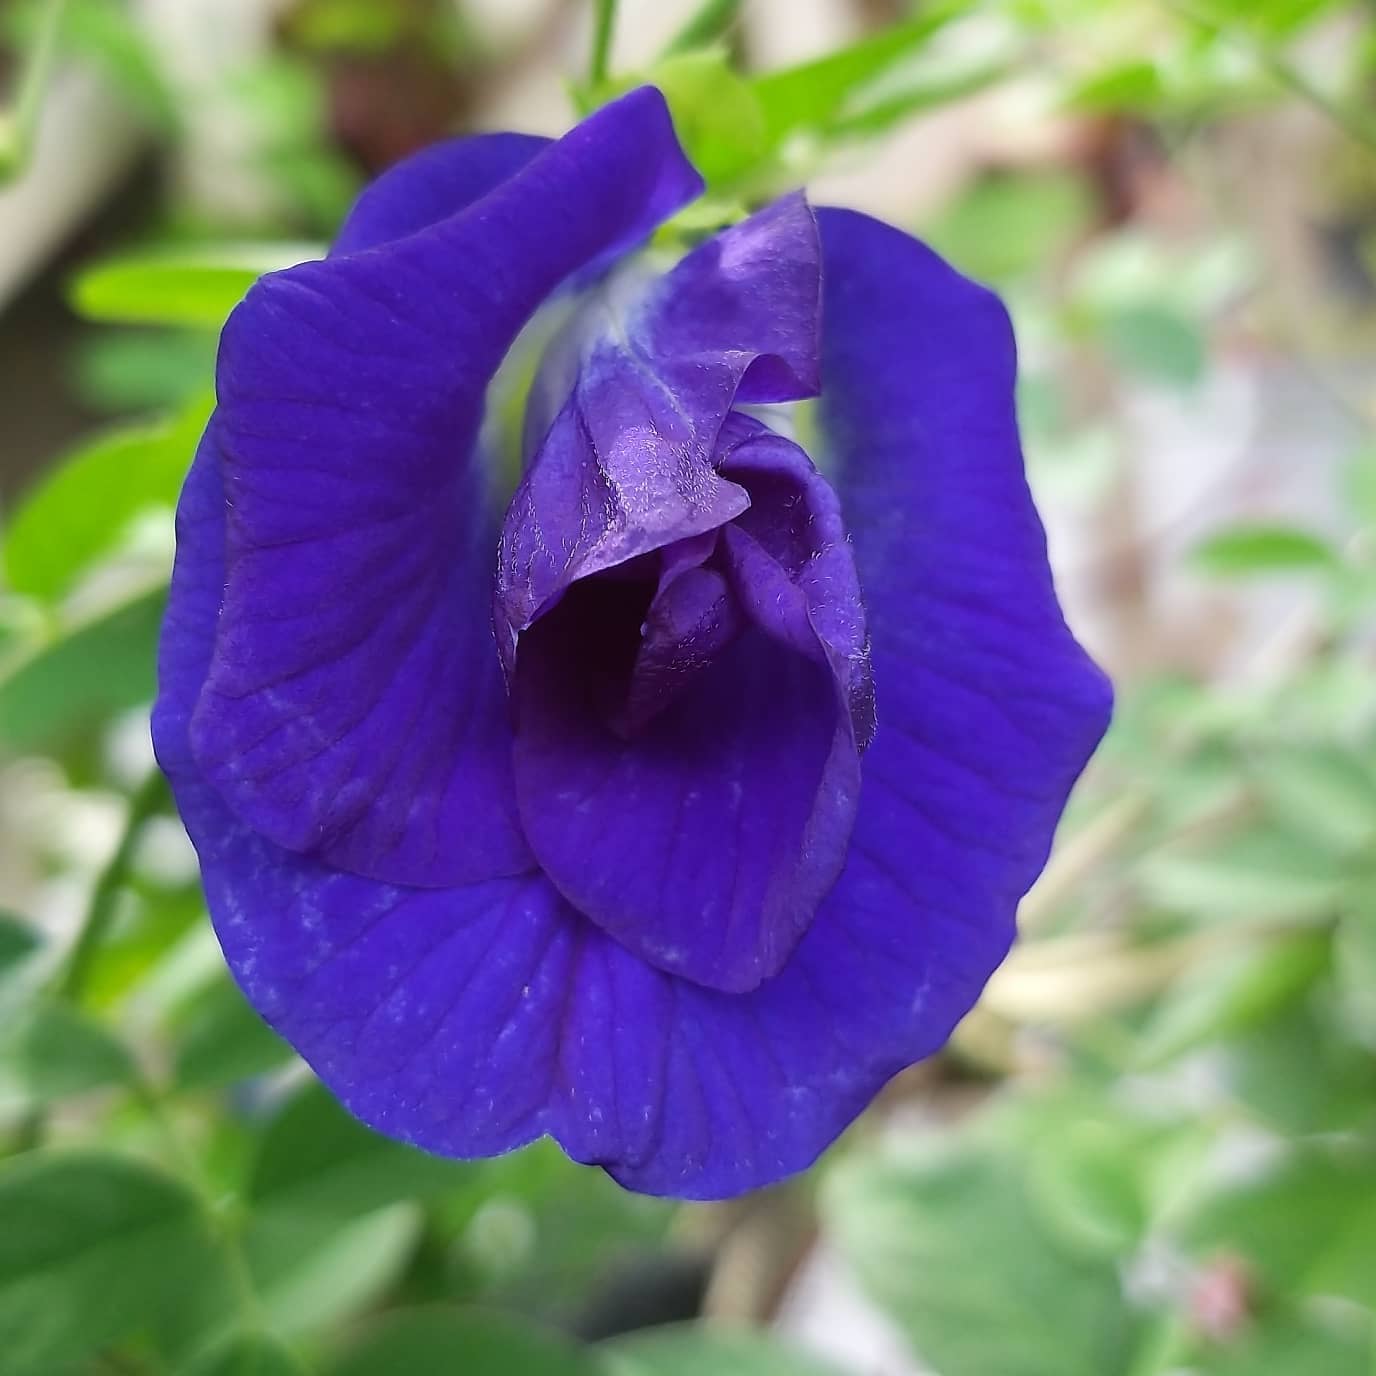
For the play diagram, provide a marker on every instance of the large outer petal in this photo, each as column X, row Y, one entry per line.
column 353, row 709
column 471, row 1020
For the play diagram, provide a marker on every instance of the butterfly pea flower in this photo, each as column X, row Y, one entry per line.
column 668, row 798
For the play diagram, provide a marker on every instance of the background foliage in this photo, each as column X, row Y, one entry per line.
column 1150, row 1149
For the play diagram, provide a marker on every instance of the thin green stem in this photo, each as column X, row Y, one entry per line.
column 1355, row 123
column 146, row 802
column 604, row 25
column 711, row 24
column 18, row 124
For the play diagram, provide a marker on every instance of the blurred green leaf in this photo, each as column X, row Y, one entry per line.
column 709, row 24
column 1307, row 1227
column 1157, row 342
column 315, row 1158
column 1354, row 965
column 1258, row 877
column 1246, row 550
column 91, row 1248
column 93, row 670
column 1231, row 992
column 1086, row 1177
column 180, row 286
column 1293, row 1345
column 223, row 1040
column 717, row 115
column 18, row 941
column 814, row 97
column 311, row 1272
column 142, row 371
column 438, row 1341
column 1298, row 1076
column 951, row 1246
column 81, row 510
column 244, row 1354
column 693, row 1350
column 1325, row 793
column 56, row 1051
column 1008, row 224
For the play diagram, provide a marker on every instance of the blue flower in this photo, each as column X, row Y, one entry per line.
column 674, row 811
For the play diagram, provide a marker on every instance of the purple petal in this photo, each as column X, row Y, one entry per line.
column 432, row 185
column 626, row 466
column 353, row 709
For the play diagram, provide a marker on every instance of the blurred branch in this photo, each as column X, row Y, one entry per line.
column 709, row 24
column 146, row 802
column 17, row 125
column 604, row 24
column 1355, row 123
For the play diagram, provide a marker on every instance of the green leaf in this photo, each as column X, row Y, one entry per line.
column 438, row 1341
column 717, row 114
column 224, row 1040
column 82, row 510
column 709, row 25
column 1157, row 342
column 1260, row 877
column 180, row 286
column 1232, row 992
column 1325, row 793
column 1086, row 1177
column 311, row 1272
column 1307, row 1228
column 244, row 1354
column 18, row 941
column 691, row 1350
column 56, row 1051
column 89, row 672
column 1293, row 1345
column 815, row 96
column 92, row 1248
column 1008, row 224
column 1250, row 550
column 315, row 1158
column 951, row 1245
column 1354, row 966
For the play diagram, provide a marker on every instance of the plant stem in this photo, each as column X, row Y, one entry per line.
column 143, row 805
column 604, row 23
column 17, row 125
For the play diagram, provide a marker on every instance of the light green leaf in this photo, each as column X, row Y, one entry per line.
column 709, row 25
column 1307, row 1228
column 1086, row 1177
column 92, row 1248
column 1157, row 342
column 691, row 1350
column 82, row 509
column 83, row 676
column 1354, row 965
column 181, row 286
column 717, row 114
column 1251, row 550
column 311, row 1272
column 1232, row 992
column 56, row 1051
column 315, row 1158
column 1325, row 793
column 224, row 1040
column 438, row 1342
column 815, row 96
column 950, row 1244
column 18, row 941
column 244, row 1354
column 1260, row 877
column 1293, row 1344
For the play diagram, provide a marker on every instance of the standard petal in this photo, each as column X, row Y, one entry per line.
column 353, row 709
column 432, row 185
